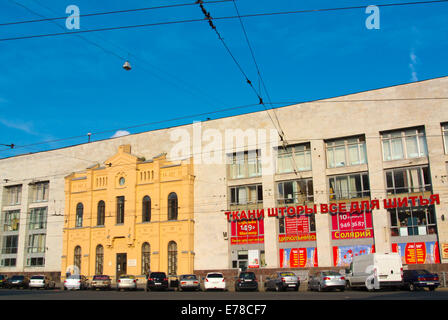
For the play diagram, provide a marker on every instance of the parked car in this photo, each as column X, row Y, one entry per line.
column 76, row 282
column 3, row 280
column 157, row 281
column 282, row 281
column 375, row 271
column 21, row 282
column 41, row 282
column 416, row 279
column 214, row 280
column 246, row 280
column 127, row 282
column 189, row 282
column 327, row 280
column 101, row 282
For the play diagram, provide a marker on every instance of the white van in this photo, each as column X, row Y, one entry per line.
column 375, row 271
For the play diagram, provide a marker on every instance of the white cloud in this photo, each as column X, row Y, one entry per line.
column 120, row 133
column 19, row 125
column 413, row 58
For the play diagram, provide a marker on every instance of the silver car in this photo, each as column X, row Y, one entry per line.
column 41, row 282
column 282, row 281
column 126, row 281
column 189, row 282
column 326, row 280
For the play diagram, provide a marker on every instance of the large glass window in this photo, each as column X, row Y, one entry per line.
column 13, row 195
column 243, row 195
column 10, row 244
column 120, row 210
column 346, row 152
column 408, row 180
column 349, row 186
column 412, row 221
column 38, row 218
column 172, row 206
column 297, row 191
column 172, row 258
column 445, row 136
column 39, row 191
column 296, row 157
column 36, row 243
column 244, row 164
column 404, row 144
column 35, row 262
column 11, row 220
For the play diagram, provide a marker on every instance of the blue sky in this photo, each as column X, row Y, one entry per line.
column 58, row 87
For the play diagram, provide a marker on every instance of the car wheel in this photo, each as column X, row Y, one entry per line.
column 411, row 287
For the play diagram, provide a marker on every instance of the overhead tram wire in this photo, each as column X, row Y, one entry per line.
column 218, row 18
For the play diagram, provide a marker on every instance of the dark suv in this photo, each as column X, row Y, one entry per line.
column 3, row 280
column 246, row 280
column 157, row 280
column 413, row 279
column 21, row 282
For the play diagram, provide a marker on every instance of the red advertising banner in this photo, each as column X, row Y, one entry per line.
column 418, row 252
column 247, row 232
column 351, row 225
column 298, row 257
column 297, row 229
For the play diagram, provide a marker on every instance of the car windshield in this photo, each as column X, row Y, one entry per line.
column 125, row 276
column 75, row 276
column 215, row 275
column 37, row 278
column 330, row 273
column 17, row 278
column 101, row 278
column 158, row 275
column 287, row 274
column 188, row 277
column 248, row 275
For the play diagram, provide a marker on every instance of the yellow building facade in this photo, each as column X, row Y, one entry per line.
column 129, row 216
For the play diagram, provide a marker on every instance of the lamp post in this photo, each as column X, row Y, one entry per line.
column 8, row 145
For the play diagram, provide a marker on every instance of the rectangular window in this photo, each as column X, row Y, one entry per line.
column 295, row 157
column 11, row 220
column 245, row 164
column 8, row 262
column 36, row 243
column 346, row 152
column 13, row 195
column 408, row 180
column 349, row 186
column 10, row 244
column 244, row 195
column 404, row 144
column 412, row 221
column 445, row 136
column 35, row 262
column 120, row 209
column 297, row 191
column 38, row 218
column 39, row 191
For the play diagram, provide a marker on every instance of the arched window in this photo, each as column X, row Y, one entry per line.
column 79, row 214
column 172, row 206
column 101, row 213
column 146, row 258
column 172, row 258
column 146, row 209
column 99, row 259
column 77, row 258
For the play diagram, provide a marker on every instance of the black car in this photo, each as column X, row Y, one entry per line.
column 21, row 282
column 246, row 281
column 414, row 279
column 157, row 281
column 3, row 280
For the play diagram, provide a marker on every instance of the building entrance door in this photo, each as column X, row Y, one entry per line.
column 121, row 264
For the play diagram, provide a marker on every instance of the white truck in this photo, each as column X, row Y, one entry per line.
column 375, row 271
